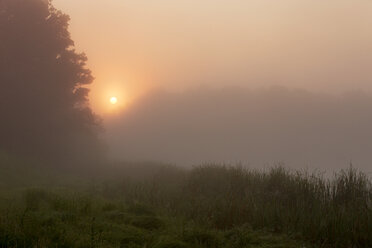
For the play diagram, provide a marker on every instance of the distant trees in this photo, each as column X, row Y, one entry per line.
column 43, row 96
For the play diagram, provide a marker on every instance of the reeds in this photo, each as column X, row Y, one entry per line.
column 330, row 212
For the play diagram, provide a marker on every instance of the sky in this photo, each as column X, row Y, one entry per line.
column 135, row 46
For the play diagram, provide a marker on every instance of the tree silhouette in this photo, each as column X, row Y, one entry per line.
column 44, row 107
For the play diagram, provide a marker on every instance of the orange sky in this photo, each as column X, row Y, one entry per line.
column 136, row 45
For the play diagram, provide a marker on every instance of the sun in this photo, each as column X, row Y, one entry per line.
column 113, row 100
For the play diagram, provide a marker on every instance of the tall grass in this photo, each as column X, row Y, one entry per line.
column 334, row 212
column 325, row 211
column 43, row 218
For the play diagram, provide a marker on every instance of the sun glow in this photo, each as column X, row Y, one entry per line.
column 110, row 99
column 113, row 100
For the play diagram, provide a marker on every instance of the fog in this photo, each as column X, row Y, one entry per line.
column 136, row 45
column 255, row 127
column 193, row 81
column 188, row 123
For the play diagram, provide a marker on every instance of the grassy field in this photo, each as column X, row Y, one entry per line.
column 152, row 205
column 39, row 218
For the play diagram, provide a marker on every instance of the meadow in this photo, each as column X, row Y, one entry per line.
column 153, row 205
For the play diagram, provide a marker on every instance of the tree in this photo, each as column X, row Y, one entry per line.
column 44, row 106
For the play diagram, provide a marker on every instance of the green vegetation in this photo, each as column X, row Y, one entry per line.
column 150, row 205
column 39, row 218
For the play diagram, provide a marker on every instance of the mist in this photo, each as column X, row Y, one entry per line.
column 258, row 128
column 173, row 135
column 311, row 44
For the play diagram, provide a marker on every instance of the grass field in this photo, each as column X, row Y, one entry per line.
column 43, row 219
column 152, row 205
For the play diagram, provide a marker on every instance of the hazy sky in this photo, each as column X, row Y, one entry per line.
column 191, row 48
column 135, row 45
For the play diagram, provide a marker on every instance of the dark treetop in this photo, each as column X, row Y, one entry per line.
column 44, row 107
